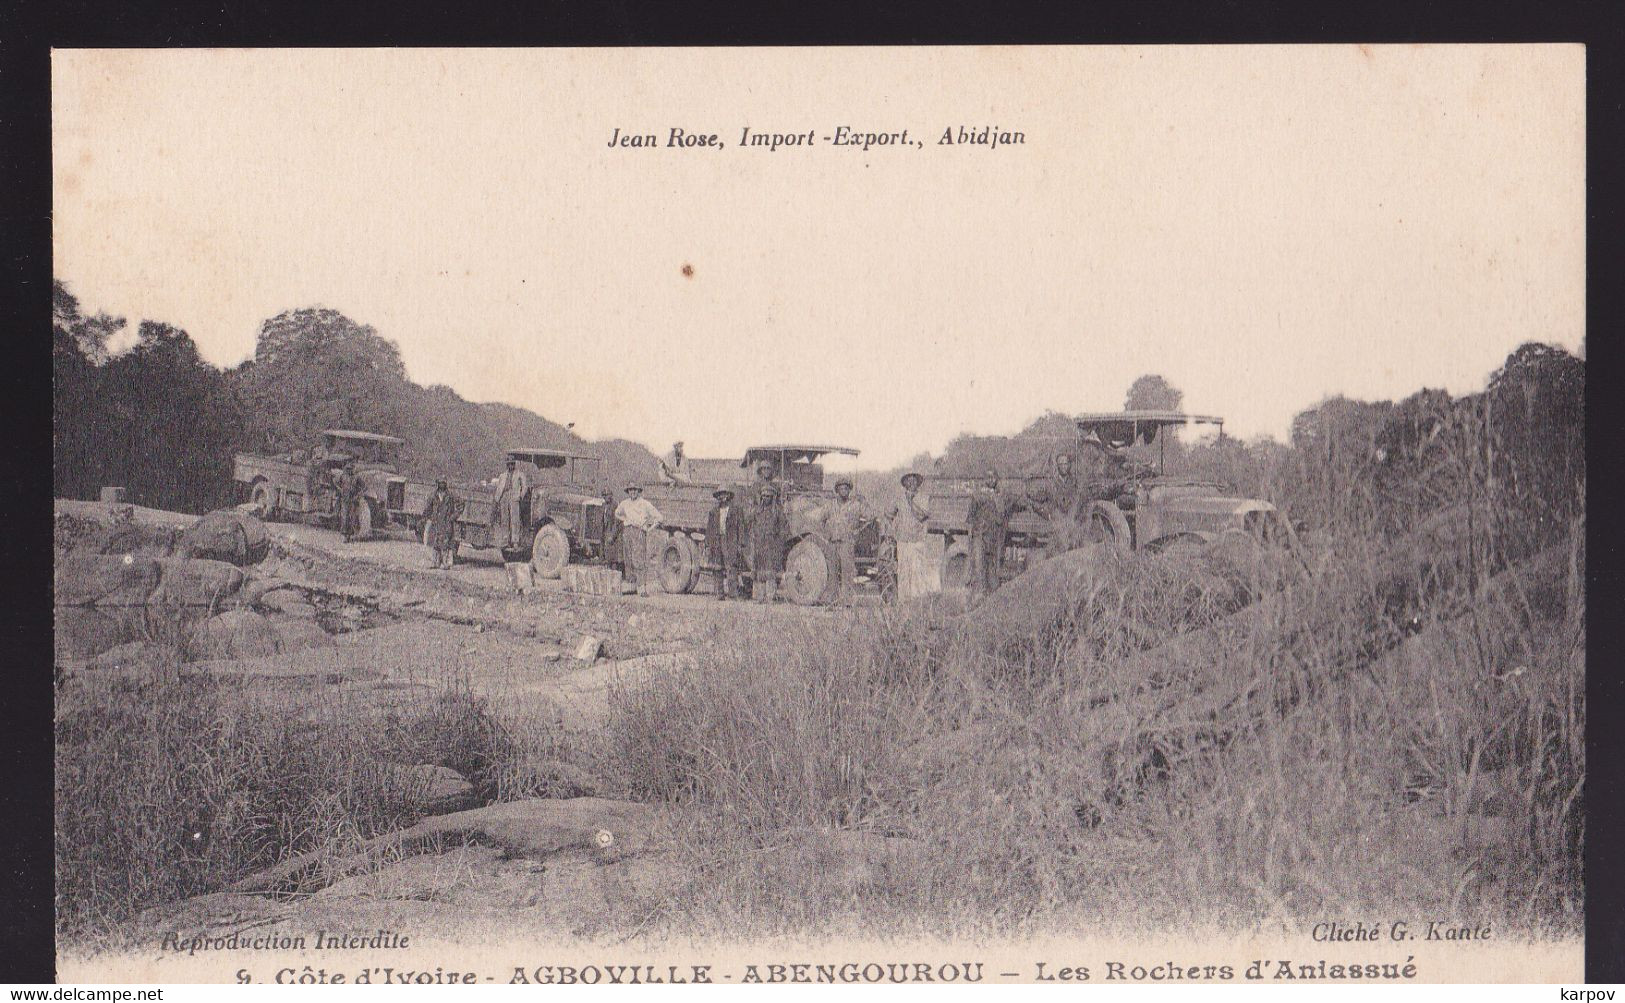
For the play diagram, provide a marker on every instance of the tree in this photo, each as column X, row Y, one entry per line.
column 1534, row 423
column 315, row 368
column 89, row 335
column 172, row 423
column 1153, row 393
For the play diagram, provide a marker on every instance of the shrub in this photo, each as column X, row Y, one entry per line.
column 181, row 785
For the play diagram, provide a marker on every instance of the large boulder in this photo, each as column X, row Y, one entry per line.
column 227, row 535
column 197, row 582
column 301, row 635
column 288, row 602
column 106, row 580
column 433, row 790
column 132, row 538
column 235, row 634
column 84, row 632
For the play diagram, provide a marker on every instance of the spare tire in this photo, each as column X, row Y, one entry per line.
column 262, row 497
column 679, row 564
column 550, row 551
column 812, row 572
column 1108, row 524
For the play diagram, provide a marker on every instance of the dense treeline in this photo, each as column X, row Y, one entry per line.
column 161, row 422
column 1515, row 451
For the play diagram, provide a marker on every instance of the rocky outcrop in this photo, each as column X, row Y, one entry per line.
column 107, row 580
column 432, row 790
column 534, row 830
column 228, row 535
column 235, row 634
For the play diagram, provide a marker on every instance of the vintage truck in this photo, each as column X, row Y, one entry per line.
column 1140, row 507
column 299, row 485
column 812, row 566
column 564, row 511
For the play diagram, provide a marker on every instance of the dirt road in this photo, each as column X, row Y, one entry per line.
column 395, row 619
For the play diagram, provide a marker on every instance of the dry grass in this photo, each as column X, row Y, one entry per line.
column 1149, row 752
column 176, row 785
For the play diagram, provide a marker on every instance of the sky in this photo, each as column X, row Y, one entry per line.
column 1263, row 226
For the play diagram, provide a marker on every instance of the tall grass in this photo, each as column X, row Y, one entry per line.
column 1145, row 754
column 173, row 786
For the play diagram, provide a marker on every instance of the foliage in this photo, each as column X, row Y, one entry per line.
column 163, row 423
column 156, row 419
column 172, row 788
column 1153, row 393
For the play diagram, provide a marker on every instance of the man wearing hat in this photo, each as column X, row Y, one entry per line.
column 507, row 527
column 638, row 518
column 674, row 466
column 919, row 563
column 769, row 531
column 440, row 524
column 842, row 520
column 725, row 542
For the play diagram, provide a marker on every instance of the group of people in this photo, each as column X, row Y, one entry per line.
column 753, row 534
column 738, row 535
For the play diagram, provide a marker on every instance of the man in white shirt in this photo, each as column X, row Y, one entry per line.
column 638, row 518
column 919, row 553
column 507, row 526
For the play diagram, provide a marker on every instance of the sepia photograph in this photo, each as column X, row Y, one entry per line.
column 846, row 515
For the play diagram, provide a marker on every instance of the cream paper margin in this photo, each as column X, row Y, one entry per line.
column 494, row 963
column 899, row 88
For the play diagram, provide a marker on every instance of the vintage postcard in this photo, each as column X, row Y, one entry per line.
column 1083, row 514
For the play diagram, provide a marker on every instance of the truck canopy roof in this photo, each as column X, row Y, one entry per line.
column 345, row 433
column 1127, row 426
column 794, row 452
column 524, row 451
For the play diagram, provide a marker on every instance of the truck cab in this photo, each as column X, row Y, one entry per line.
column 811, row 566
column 299, row 485
column 565, row 507
column 1139, row 506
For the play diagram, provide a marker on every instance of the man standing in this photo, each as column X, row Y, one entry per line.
column 725, row 542
column 675, row 467
column 1059, row 499
column 348, row 486
column 440, row 524
column 507, row 523
column 989, row 516
column 638, row 518
column 919, row 570
column 769, row 533
column 842, row 520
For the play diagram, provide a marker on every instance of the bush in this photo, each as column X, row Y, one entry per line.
column 172, row 788
column 1143, row 751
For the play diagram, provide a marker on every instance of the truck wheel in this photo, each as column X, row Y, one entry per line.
column 261, row 496
column 811, row 572
column 956, row 566
column 679, row 565
column 549, row 552
column 1107, row 524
